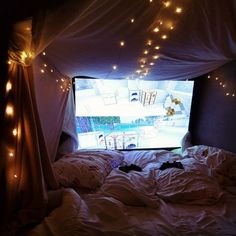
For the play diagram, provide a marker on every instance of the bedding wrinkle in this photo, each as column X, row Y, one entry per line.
column 194, row 201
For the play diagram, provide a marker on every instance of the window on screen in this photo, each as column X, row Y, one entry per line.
column 131, row 114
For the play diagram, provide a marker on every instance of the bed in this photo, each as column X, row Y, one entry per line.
column 102, row 194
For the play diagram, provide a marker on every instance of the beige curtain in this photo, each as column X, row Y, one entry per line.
column 28, row 168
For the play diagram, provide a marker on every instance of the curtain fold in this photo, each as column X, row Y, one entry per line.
column 28, row 168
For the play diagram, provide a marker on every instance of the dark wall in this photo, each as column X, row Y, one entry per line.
column 213, row 114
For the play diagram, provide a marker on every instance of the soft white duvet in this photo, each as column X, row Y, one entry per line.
column 198, row 200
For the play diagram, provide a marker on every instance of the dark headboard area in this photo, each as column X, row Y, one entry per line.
column 213, row 113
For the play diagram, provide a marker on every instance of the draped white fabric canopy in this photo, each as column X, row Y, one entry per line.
column 199, row 39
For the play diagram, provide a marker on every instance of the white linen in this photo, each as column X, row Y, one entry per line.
column 151, row 202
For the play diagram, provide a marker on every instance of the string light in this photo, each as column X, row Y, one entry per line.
column 132, row 20
column 167, row 3
column 156, row 29
column 178, row 10
column 14, row 132
column 223, row 85
column 122, row 43
column 8, row 86
column 42, row 71
column 9, row 110
column 114, row 67
column 164, row 36
column 11, row 154
column 44, row 53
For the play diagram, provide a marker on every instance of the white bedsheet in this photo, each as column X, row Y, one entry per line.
column 152, row 202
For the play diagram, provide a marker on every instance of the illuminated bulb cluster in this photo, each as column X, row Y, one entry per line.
column 227, row 91
column 159, row 32
column 10, row 115
column 63, row 83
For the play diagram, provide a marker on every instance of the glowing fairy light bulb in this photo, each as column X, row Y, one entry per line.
column 150, row 0
column 15, row 176
column 227, row 94
column 42, row 71
column 9, row 110
column 156, row 29
column 44, row 53
column 233, row 95
column 208, row 76
column 138, row 71
column 178, row 10
column 51, row 70
column 132, row 20
column 167, row 3
column 155, row 57
column 216, row 78
column 9, row 62
column 45, row 65
column 157, row 47
column 164, row 36
column 122, row 43
column 114, row 67
column 8, row 86
column 145, row 52
column 14, row 132
column 149, row 42
column 151, row 63
column 11, row 154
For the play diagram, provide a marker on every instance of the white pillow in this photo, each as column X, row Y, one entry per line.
column 82, row 172
column 115, row 157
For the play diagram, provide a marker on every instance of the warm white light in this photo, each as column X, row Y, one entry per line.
column 114, row 67
column 145, row 52
column 51, row 70
column 44, row 53
column 15, row 176
column 45, row 65
column 216, row 78
column 220, row 83
column 164, row 36
column 233, row 95
column 149, row 42
column 42, row 71
column 8, row 86
column 9, row 110
column 227, row 94
column 156, row 29
column 122, row 43
column 11, row 154
column 62, row 80
column 157, row 47
column 14, row 132
column 167, row 3
column 150, row 0
column 178, row 10
column 151, row 63
column 155, row 57
column 9, row 62
column 208, row 76
column 224, row 85
column 142, row 66
column 132, row 20
column 57, row 80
